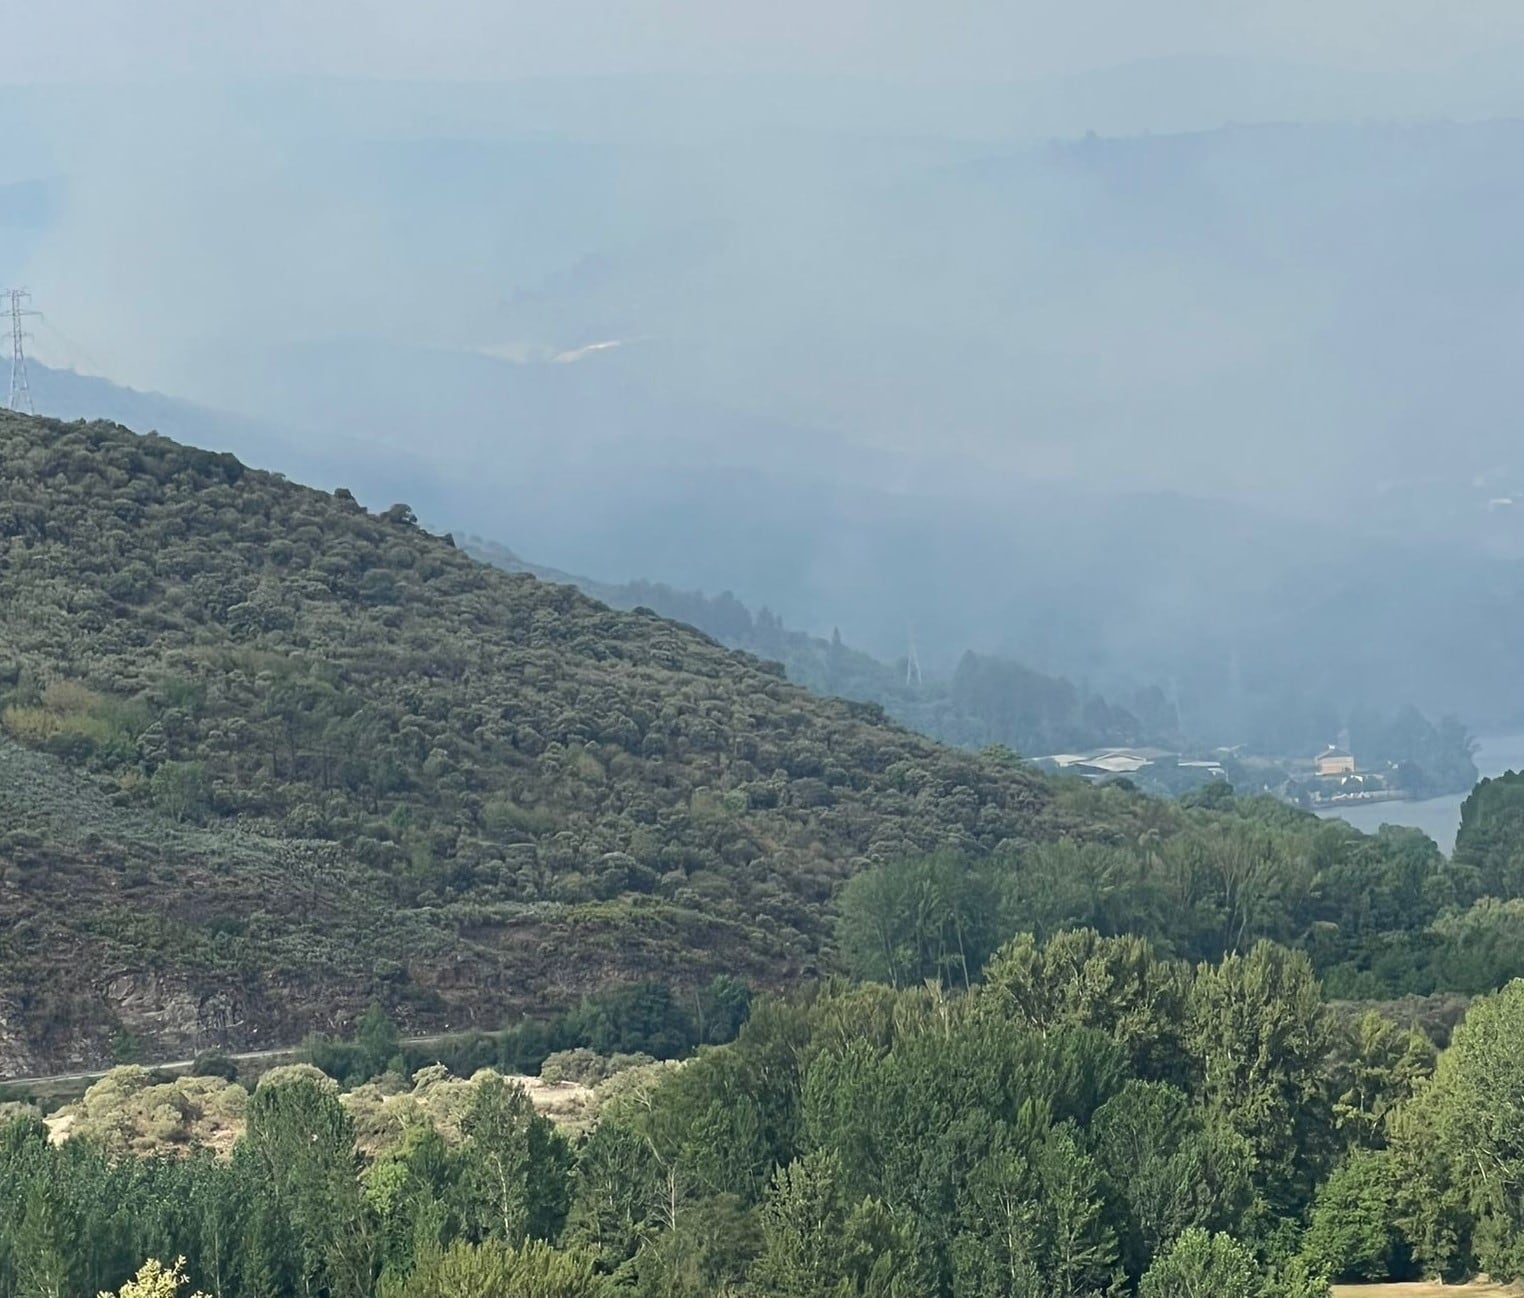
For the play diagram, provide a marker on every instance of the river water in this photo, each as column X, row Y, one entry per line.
column 1439, row 818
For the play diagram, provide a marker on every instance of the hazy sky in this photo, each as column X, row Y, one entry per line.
column 888, row 247
column 68, row 40
column 1259, row 251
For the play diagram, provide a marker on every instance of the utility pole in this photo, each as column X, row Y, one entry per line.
column 21, row 390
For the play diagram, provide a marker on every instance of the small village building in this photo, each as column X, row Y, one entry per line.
column 1333, row 762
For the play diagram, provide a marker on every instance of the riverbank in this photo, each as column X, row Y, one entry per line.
column 1439, row 818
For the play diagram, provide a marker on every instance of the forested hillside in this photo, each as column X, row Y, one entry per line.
column 378, row 768
column 269, row 757
column 987, row 701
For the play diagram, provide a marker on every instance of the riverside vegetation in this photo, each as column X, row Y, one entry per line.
column 269, row 759
column 1088, row 1119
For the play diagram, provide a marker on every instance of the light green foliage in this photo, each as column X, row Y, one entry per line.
column 127, row 1112
column 1203, row 1265
column 587, row 1067
column 1432, row 1208
column 155, row 1280
column 1458, row 1147
column 1117, row 985
column 514, row 1166
column 494, row 1270
column 412, row 1188
column 1259, row 1034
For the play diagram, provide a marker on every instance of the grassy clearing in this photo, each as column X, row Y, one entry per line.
column 1427, row 1289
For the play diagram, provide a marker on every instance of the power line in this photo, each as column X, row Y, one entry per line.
column 21, row 390
column 72, row 350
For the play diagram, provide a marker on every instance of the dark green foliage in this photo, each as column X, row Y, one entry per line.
column 1168, row 1167
column 514, row 1167
column 1378, row 915
column 1489, row 846
column 1375, row 913
column 643, row 1019
column 817, row 1242
column 1352, row 1232
column 616, row 1194
column 850, row 1142
column 309, row 758
column 311, row 1235
column 1376, row 1065
column 919, row 918
column 214, row 1063
column 1033, row 1220
column 375, row 1049
column 636, row 1019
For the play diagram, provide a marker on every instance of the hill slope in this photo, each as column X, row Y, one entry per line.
column 1025, row 710
column 278, row 756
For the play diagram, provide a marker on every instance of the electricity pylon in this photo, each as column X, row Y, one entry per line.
column 21, row 391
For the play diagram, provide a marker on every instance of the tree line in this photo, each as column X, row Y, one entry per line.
column 1089, row 1118
column 1380, row 916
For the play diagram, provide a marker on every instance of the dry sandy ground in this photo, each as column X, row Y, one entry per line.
column 1425, row 1290
column 568, row 1104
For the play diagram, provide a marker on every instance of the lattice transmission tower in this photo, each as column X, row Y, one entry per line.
column 21, row 391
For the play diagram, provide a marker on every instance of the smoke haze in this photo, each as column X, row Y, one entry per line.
column 1130, row 341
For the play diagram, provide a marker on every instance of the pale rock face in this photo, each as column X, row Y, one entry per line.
column 170, row 1014
column 16, row 1060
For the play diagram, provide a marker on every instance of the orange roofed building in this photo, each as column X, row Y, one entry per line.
column 1334, row 761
